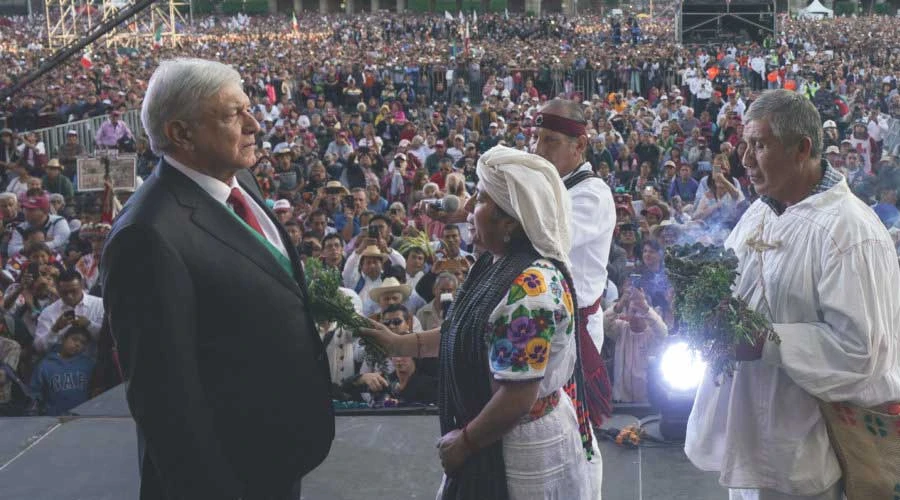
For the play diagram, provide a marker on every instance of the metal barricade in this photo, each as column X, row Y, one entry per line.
column 54, row 137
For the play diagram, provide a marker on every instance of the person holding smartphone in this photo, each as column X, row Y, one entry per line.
column 74, row 308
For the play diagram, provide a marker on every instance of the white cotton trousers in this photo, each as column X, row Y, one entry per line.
column 836, row 492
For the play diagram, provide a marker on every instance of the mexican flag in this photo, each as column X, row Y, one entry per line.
column 294, row 25
column 157, row 35
column 86, row 60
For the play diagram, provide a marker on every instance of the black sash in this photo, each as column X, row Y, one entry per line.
column 578, row 177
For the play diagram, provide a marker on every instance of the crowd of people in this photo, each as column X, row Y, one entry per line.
column 371, row 127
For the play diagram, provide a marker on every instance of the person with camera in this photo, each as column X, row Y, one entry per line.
column 74, row 308
column 431, row 315
column 34, row 291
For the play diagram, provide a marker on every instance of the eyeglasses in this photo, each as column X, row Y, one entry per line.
column 393, row 322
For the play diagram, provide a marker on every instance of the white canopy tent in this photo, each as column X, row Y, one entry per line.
column 816, row 10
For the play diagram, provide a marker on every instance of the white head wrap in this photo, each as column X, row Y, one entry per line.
column 528, row 188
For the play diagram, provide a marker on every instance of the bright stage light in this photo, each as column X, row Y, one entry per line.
column 681, row 368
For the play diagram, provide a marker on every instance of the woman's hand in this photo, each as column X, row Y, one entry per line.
column 452, row 451
column 381, row 334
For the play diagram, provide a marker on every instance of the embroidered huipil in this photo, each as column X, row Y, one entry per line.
column 825, row 272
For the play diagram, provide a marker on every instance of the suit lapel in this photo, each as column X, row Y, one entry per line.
column 213, row 217
column 248, row 182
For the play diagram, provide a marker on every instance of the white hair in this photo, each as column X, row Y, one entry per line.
column 7, row 196
column 177, row 91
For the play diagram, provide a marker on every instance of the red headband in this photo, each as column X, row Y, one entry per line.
column 556, row 123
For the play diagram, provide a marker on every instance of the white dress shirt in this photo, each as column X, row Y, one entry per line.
column 90, row 307
column 829, row 286
column 221, row 191
column 593, row 220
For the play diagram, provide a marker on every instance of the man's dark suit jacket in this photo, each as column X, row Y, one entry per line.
column 228, row 380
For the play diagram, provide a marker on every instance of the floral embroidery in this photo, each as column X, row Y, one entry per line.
column 521, row 330
column 537, row 308
column 519, row 361
column 538, row 351
column 501, row 354
column 556, row 290
column 532, row 282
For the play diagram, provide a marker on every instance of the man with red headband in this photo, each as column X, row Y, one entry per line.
column 562, row 141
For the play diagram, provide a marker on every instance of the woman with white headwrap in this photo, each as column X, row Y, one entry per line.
column 510, row 372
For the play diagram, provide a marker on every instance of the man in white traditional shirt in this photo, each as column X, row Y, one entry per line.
column 819, row 264
column 562, row 142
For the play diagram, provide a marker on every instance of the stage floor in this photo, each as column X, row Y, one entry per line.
column 94, row 457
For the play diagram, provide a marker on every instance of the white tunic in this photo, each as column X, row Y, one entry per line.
column 833, row 290
column 593, row 220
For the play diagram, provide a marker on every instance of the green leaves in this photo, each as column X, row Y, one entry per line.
column 329, row 305
column 706, row 314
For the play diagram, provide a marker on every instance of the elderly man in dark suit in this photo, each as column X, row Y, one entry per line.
column 228, row 381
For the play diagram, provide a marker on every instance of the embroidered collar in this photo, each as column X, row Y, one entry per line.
column 830, row 178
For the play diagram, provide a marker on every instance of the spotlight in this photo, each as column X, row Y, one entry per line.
column 673, row 380
column 681, row 368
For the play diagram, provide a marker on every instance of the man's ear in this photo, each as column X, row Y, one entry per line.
column 179, row 134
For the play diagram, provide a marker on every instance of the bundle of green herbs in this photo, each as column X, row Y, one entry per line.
column 707, row 315
column 329, row 305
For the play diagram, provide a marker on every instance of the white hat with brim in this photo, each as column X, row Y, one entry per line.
column 390, row 285
column 373, row 251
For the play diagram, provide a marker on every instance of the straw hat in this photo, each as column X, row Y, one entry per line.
column 373, row 251
column 53, row 163
column 390, row 285
column 336, row 185
column 665, row 225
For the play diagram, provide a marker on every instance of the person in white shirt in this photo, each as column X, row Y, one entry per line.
column 822, row 268
column 562, row 142
column 73, row 308
column 364, row 267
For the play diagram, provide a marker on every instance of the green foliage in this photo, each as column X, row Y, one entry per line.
column 328, row 304
column 844, row 8
column 231, row 7
column 883, row 9
column 450, row 6
column 711, row 320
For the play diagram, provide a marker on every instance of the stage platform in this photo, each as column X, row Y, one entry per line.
column 94, row 457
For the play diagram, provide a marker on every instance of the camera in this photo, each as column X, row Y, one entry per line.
column 635, row 280
column 348, row 201
column 306, row 248
column 373, row 232
column 446, row 302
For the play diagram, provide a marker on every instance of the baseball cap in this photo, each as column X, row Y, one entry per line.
column 439, row 144
column 282, row 205
column 72, row 132
column 282, row 148
column 404, row 143
column 829, row 124
column 652, row 211
column 40, row 202
column 832, row 149
column 520, row 136
column 493, row 124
